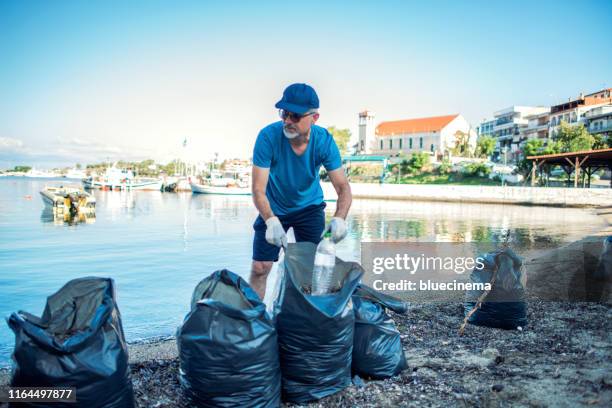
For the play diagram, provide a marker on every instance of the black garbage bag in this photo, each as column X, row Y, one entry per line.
column 78, row 342
column 377, row 347
column 604, row 265
column 228, row 347
column 504, row 307
column 599, row 280
column 315, row 333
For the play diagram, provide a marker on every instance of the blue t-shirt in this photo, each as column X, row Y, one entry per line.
column 294, row 180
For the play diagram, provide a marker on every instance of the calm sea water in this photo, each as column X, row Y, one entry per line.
column 158, row 246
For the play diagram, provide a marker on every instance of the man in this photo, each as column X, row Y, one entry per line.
column 286, row 189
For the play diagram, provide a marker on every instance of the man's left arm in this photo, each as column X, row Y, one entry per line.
column 343, row 189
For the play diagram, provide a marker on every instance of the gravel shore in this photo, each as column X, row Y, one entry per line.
column 562, row 358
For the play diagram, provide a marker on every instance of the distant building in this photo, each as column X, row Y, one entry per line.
column 436, row 135
column 367, row 138
column 485, row 128
column 573, row 111
column 509, row 125
column 598, row 120
column 537, row 127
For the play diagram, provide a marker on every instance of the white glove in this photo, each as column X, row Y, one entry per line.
column 337, row 227
column 275, row 233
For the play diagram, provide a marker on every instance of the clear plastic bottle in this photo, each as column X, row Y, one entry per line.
column 325, row 259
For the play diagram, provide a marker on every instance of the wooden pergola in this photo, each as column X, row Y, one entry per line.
column 588, row 161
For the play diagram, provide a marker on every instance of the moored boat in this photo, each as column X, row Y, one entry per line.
column 138, row 183
column 120, row 179
column 224, row 183
column 66, row 199
column 225, row 190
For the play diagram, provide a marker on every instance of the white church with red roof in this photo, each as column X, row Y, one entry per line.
column 436, row 135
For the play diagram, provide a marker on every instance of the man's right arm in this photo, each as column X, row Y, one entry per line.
column 259, row 181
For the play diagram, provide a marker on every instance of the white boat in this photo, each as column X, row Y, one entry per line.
column 68, row 200
column 225, row 190
column 76, row 174
column 33, row 173
column 224, row 183
column 120, row 179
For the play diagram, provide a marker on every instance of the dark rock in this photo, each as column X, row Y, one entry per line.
column 497, row 387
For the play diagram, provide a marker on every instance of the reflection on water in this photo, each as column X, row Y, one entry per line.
column 526, row 228
column 158, row 246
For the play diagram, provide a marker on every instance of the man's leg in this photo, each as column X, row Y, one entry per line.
column 259, row 276
column 264, row 256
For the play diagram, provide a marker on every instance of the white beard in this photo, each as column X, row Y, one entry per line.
column 290, row 135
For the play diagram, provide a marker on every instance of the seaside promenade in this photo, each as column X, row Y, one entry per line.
column 544, row 196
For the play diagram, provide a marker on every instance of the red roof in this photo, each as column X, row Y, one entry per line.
column 419, row 125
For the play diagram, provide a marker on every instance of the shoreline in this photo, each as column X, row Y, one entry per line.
column 562, row 358
column 516, row 195
column 559, row 197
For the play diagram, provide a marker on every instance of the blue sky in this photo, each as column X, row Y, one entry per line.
column 82, row 81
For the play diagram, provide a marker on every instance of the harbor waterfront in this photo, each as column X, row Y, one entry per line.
column 556, row 197
column 157, row 246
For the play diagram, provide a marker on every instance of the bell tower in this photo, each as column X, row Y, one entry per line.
column 366, row 132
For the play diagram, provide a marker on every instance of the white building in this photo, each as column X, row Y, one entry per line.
column 509, row 124
column 598, row 121
column 537, row 127
column 436, row 135
column 485, row 128
column 574, row 111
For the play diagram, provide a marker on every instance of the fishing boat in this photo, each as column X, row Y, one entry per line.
column 225, row 190
column 68, row 200
column 224, row 183
column 121, row 179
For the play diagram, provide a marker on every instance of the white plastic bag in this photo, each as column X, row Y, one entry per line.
column 275, row 278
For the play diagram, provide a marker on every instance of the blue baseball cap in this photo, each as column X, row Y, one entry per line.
column 298, row 98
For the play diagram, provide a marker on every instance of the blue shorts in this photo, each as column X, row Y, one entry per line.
column 308, row 225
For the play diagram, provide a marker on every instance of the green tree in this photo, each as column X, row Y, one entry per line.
column 533, row 147
column 552, row 147
column 418, row 161
column 574, row 138
column 23, row 169
column 462, row 144
column 171, row 168
column 341, row 137
column 143, row 168
column 78, row 166
column 602, row 141
column 445, row 167
column 536, row 147
column 485, row 146
column 477, row 170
